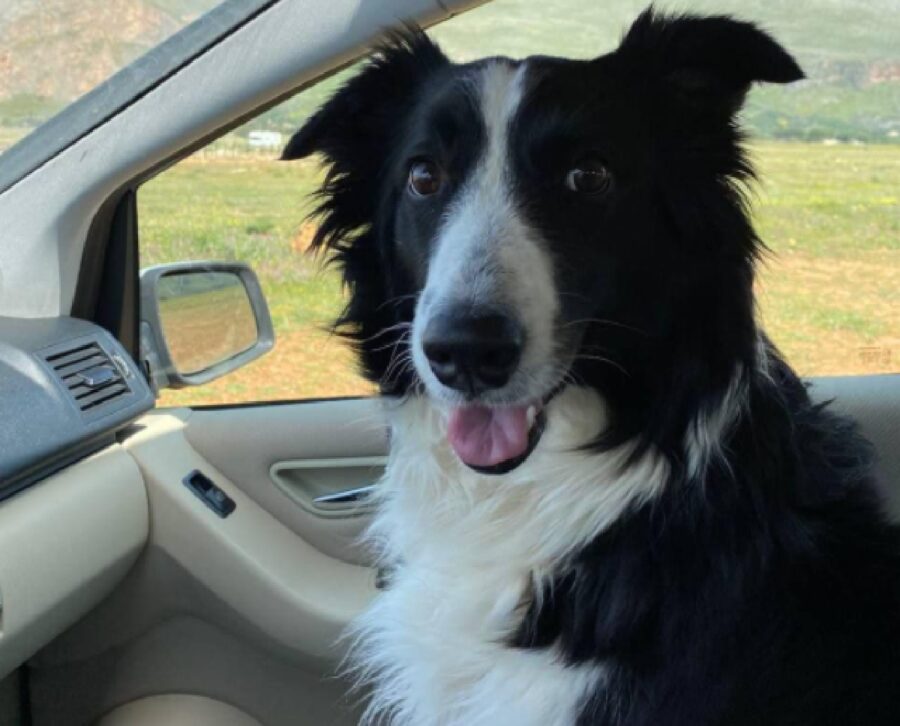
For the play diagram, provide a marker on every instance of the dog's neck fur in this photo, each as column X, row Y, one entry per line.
column 427, row 486
column 471, row 551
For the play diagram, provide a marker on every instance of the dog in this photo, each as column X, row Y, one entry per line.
column 609, row 499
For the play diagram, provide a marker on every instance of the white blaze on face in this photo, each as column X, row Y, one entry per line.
column 486, row 255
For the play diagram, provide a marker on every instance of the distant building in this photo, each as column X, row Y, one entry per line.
column 264, row 139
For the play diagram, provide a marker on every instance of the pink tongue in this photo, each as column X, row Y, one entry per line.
column 483, row 436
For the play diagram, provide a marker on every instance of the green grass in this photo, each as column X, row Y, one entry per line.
column 835, row 201
column 27, row 110
column 243, row 208
column 251, row 208
column 816, row 30
column 829, row 292
column 9, row 136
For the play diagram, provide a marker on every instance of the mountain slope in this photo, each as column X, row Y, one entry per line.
column 52, row 51
column 848, row 48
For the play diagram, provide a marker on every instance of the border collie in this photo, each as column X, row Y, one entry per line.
column 608, row 500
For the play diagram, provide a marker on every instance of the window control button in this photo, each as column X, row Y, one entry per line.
column 207, row 492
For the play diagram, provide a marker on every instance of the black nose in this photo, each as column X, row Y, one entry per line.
column 473, row 353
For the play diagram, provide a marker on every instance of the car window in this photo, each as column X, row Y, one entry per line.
column 54, row 51
column 827, row 151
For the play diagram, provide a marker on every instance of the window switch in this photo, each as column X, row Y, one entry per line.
column 208, row 493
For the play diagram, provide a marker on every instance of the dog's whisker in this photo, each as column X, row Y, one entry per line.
column 399, row 299
column 402, row 340
column 602, row 359
column 601, row 321
column 385, row 331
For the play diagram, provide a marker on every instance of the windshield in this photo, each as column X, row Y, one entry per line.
column 54, row 51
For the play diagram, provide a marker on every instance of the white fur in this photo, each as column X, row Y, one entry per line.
column 470, row 549
column 706, row 433
column 763, row 360
column 487, row 256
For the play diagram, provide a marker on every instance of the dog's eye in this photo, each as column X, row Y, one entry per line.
column 424, row 178
column 590, row 176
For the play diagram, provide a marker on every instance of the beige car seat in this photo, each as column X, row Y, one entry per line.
column 177, row 710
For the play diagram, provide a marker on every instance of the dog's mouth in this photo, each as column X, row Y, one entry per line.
column 496, row 439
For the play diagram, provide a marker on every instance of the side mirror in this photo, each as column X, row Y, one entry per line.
column 201, row 320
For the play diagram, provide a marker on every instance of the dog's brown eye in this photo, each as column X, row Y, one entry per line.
column 424, row 177
column 590, row 176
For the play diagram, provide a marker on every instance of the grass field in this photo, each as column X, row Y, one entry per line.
column 829, row 292
column 10, row 135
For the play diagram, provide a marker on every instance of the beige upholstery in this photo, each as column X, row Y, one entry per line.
column 64, row 545
column 177, row 710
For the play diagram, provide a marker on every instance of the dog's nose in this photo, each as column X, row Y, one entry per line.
column 474, row 352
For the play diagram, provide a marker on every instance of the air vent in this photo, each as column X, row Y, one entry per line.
column 92, row 378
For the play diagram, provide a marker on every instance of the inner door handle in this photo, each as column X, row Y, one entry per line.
column 344, row 499
column 340, row 487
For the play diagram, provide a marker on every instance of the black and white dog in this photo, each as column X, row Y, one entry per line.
column 609, row 500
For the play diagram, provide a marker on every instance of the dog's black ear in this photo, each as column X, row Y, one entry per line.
column 359, row 111
column 707, row 58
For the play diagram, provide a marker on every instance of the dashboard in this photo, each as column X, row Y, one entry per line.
column 67, row 387
column 79, row 517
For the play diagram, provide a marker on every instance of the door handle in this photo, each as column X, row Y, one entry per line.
column 344, row 499
column 339, row 487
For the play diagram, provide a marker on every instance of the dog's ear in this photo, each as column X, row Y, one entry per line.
column 359, row 111
column 357, row 127
column 709, row 59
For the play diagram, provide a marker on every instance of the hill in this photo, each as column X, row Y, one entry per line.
column 52, row 51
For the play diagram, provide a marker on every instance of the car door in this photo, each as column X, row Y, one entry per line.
column 246, row 609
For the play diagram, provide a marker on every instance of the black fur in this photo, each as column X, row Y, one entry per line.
column 767, row 595
column 765, row 590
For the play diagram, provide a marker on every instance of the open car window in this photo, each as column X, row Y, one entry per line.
column 826, row 204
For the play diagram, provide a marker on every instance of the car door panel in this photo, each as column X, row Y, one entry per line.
column 282, row 456
column 53, row 566
column 298, row 595
column 241, row 609
column 163, row 632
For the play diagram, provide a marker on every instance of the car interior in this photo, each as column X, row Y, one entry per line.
column 189, row 565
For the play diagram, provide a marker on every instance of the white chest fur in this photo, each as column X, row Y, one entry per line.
column 433, row 646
